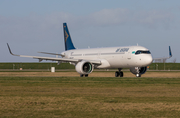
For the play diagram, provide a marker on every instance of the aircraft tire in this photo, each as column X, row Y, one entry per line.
column 86, row 75
column 117, row 74
column 81, row 75
column 138, row 75
column 121, row 74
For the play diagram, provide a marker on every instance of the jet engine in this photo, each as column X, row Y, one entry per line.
column 138, row 71
column 84, row 67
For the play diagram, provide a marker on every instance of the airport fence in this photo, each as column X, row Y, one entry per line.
column 64, row 66
column 164, row 66
column 31, row 66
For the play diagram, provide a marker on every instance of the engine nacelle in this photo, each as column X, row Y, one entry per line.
column 84, row 67
column 137, row 70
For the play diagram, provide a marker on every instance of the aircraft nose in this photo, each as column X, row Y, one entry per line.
column 149, row 60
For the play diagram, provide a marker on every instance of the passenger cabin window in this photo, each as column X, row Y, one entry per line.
column 143, row 52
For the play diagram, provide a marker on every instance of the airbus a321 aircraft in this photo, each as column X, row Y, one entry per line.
column 136, row 58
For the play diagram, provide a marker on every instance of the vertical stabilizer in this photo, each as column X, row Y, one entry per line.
column 67, row 38
column 170, row 53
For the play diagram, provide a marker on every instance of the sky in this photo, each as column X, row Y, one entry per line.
column 31, row 26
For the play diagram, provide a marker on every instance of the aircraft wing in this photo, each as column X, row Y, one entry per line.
column 51, row 53
column 97, row 62
column 170, row 55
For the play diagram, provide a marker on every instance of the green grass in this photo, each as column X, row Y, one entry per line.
column 89, row 97
column 166, row 66
column 35, row 66
column 153, row 66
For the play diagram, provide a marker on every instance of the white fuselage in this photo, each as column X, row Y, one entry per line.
column 113, row 57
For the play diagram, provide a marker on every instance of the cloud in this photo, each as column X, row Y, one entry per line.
column 110, row 17
column 153, row 18
column 119, row 16
column 48, row 26
column 32, row 27
column 104, row 17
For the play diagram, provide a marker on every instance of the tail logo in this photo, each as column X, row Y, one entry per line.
column 66, row 36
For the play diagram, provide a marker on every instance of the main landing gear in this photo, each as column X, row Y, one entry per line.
column 119, row 73
column 86, row 75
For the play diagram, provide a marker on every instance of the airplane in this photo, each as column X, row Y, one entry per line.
column 136, row 58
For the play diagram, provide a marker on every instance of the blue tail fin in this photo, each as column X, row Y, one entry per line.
column 67, row 38
column 170, row 53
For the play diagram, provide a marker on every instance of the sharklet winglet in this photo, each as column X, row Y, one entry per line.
column 11, row 51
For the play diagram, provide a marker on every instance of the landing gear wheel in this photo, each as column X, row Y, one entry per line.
column 86, row 75
column 138, row 75
column 121, row 74
column 117, row 74
column 81, row 75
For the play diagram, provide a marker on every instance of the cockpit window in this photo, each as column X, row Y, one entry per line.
column 143, row 52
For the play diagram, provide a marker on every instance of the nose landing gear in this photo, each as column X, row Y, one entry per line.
column 138, row 71
column 138, row 75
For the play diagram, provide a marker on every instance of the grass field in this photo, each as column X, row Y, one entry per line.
column 47, row 66
column 102, row 97
column 30, row 66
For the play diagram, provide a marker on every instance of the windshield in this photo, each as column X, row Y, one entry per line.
column 143, row 52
